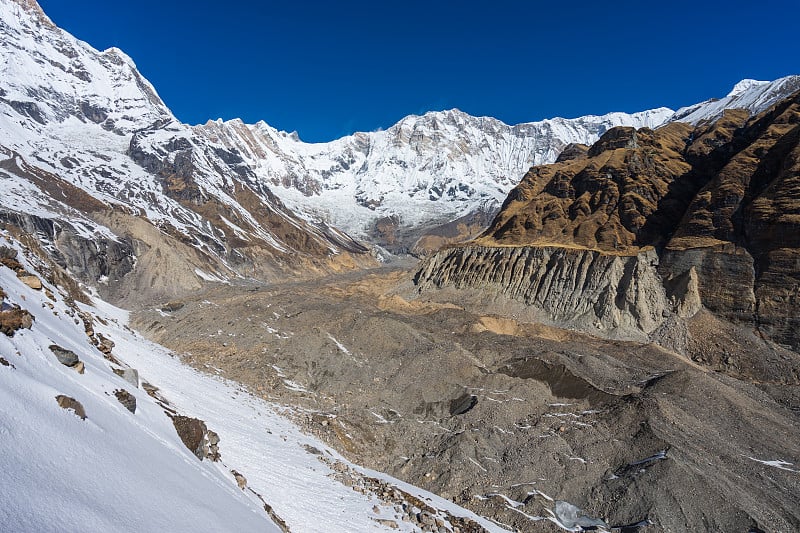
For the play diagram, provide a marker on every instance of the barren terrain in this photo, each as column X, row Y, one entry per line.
column 504, row 416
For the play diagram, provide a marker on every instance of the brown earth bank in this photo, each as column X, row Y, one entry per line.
column 504, row 415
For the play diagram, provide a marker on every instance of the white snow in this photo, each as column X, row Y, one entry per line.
column 776, row 463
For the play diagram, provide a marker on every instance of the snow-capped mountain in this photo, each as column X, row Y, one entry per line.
column 432, row 169
column 752, row 95
column 92, row 156
column 119, row 189
column 423, row 171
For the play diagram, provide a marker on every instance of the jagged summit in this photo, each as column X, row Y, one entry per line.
column 395, row 185
column 745, row 85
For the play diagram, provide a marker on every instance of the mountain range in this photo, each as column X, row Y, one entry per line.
column 569, row 323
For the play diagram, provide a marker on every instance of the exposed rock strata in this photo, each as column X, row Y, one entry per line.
column 579, row 288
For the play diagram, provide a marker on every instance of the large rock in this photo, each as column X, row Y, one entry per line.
column 12, row 319
column 64, row 356
column 197, row 437
column 71, row 404
column 31, row 281
column 131, row 375
column 127, row 399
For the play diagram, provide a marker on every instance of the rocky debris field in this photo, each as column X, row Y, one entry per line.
column 531, row 425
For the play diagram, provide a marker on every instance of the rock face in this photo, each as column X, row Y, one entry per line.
column 652, row 224
column 621, row 295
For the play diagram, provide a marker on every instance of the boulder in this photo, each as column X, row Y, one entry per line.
column 192, row 433
column 171, row 307
column 127, row 399
column 67, row 402
column 64, row 356
column 31, row 281
column 7, row 253
column 131, row 375
column 462, row 404
column 104, row 344
column 197, row 437
column 12, row 318
column 240, row 479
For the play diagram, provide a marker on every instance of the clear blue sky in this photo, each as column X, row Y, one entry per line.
column 328, row 68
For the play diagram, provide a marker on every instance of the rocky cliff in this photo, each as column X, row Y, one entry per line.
column 648, row 226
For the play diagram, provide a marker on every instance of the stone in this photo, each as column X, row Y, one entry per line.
column 7, row 253
column 127, row 399
column 194, row 434
column 12, row 319
column 240, row 479
column 105, row 345
column 462, row 404
column 31, row 281
column 80, row 368
column 171, row 307
column 69, row 403
column 131, row 375
column 64, row 356
column 191, row 432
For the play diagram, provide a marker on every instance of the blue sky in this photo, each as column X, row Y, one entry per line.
column 326, row 69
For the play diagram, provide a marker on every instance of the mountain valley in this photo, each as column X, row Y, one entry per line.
column 450, row 325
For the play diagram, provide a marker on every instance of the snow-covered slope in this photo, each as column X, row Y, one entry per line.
column 107, row 456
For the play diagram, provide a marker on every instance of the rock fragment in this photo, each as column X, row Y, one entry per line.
column 64, row 356
column 71, row 404
column 127, row 399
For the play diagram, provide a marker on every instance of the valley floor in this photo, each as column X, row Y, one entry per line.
column 503, row 417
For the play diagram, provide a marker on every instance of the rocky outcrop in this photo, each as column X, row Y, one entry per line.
column 197, row 437
column 64, row 356
column 620, row 295
column 649, row 228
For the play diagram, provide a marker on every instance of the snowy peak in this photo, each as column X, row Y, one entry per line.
column 421, row 172
column 751, row 95
column 92, row 159
column 744, row 86
column 52, row 76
